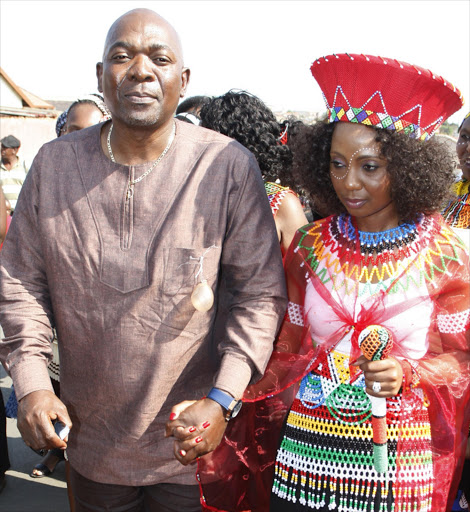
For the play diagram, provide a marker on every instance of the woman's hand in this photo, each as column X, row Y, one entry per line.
column 386, row 372
column 197, row 426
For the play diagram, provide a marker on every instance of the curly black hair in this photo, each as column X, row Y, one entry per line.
column 192, row 104
column 421, row 173
column 245, row 118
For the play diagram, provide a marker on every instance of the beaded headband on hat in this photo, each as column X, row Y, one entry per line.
column 385, row 93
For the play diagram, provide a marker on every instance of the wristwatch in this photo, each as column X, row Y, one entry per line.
column 226, row 401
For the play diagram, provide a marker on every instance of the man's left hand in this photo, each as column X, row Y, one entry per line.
column 197, row 426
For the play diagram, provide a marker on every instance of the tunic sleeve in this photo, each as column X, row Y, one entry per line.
column 253, row 286
column 25, row 309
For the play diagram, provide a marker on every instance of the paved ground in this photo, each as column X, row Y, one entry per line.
column 23, row 493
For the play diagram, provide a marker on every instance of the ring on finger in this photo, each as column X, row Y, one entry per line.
column 376, row 387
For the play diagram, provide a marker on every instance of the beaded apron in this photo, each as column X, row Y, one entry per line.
column 325, row 460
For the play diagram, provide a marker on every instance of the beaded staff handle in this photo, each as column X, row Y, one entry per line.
column 375, row 343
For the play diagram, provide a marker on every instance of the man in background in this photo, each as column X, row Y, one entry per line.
column 13, row 169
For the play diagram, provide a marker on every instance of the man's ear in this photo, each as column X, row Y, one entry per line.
column 185, row 74
column 99, row 75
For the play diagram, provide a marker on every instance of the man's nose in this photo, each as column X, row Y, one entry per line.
column 141, row 69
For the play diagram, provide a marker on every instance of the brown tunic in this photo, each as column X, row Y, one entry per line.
column 115, row 276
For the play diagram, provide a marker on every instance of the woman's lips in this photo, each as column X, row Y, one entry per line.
column 354, row 203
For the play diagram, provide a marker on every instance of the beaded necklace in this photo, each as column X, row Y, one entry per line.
column 381, row 244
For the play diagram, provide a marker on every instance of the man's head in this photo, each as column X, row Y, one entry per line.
column 142, row 76
column 9, row 147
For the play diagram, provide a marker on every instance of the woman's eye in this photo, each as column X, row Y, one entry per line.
column 336, row 164
column 371, row 167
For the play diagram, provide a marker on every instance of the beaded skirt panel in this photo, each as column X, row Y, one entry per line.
column 325, row 459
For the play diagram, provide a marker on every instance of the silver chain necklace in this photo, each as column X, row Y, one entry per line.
column 130, row 185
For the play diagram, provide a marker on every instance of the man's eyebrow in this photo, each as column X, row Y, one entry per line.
column 127, row 46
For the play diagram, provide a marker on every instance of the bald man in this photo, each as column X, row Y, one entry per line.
column 155, row 223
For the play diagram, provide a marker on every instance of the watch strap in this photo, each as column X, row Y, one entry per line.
column 223, row 399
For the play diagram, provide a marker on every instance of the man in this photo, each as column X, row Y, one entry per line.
column 188, row 110
column 150, row 218
column 13, row 169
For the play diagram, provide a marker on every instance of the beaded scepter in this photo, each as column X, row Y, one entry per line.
column 375, row 343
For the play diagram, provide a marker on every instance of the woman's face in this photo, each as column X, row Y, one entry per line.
column 360, row 178
column 82, row 116
column 463, row 148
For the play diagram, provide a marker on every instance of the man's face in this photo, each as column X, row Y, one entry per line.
column 142, row 76
column 8, row 153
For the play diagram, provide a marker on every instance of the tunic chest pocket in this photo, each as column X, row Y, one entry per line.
column 184, row 268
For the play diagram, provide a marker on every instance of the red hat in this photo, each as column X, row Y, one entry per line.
column 386, row 93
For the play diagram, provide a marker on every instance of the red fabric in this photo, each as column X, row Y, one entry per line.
column 242, row 466
column 402, row 86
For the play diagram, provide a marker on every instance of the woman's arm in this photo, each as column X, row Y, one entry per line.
column 289, row 218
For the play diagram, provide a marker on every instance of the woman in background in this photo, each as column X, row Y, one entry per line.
column 457, row 215
column 457, row 212
column 249, row 121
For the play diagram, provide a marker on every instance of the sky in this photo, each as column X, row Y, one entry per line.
column 50, row 48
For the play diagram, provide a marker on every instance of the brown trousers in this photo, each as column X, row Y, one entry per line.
column 93, row 496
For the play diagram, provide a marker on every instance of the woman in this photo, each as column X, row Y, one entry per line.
column 249, row 121
column 457, row 212
column 383, row 258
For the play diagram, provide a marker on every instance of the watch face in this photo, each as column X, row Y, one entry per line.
column 236, row 409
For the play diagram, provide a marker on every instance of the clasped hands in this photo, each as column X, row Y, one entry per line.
column 197, row 427
column 387, row 372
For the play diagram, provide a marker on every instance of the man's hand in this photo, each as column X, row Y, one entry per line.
column 197, row 426
column 36, row 412
column 387, row 372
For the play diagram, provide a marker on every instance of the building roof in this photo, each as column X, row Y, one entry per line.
column 29, row 99
column 32, row 105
